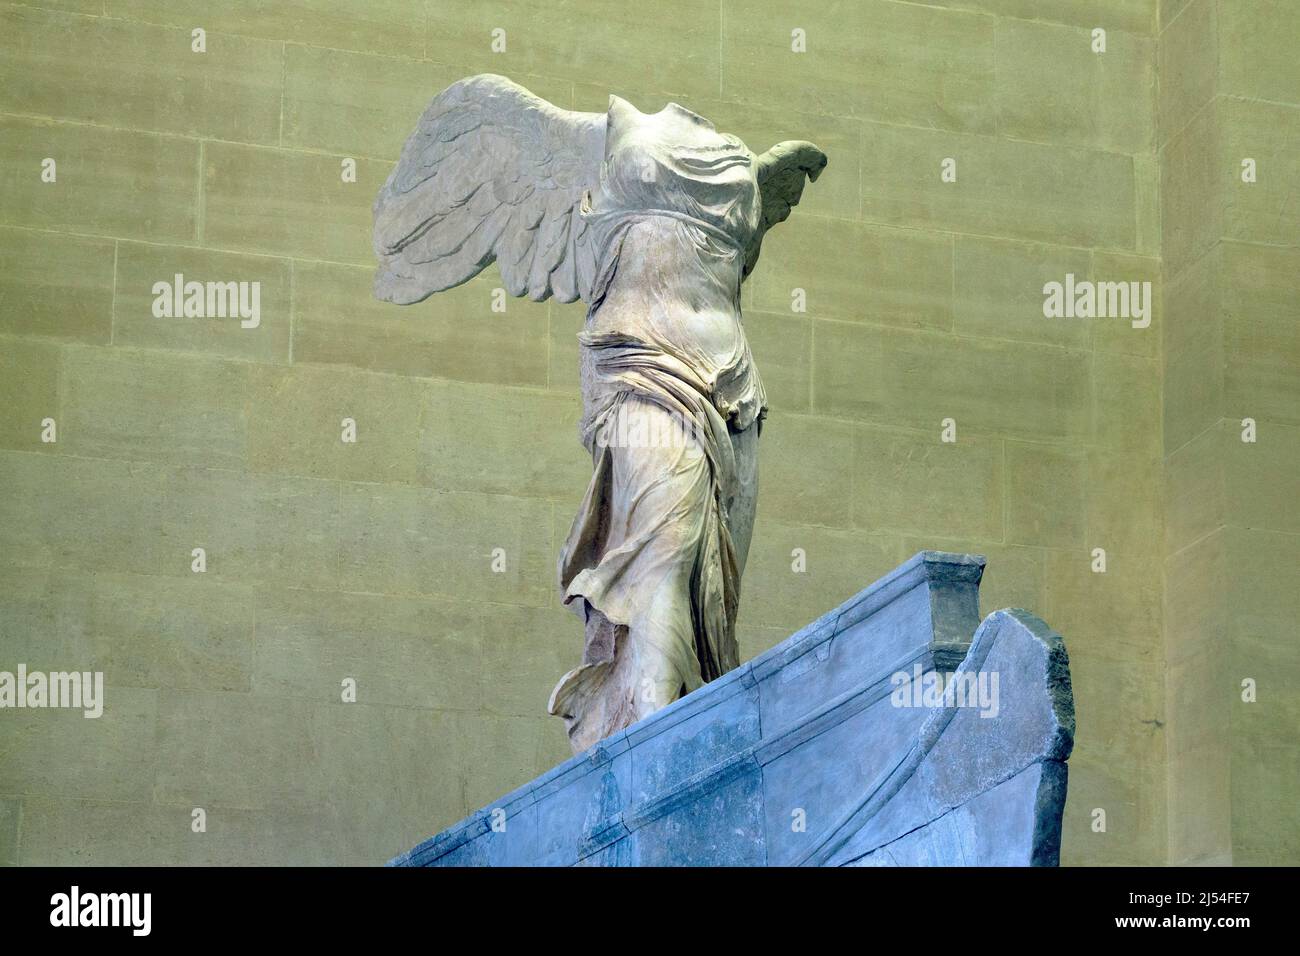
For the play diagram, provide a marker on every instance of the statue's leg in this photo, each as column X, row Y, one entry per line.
column 627, row 673
column 662, row 642
column 743, row 506
column 667, row 490
column 657, row 509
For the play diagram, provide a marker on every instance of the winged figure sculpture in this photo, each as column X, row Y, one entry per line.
column 653, row 220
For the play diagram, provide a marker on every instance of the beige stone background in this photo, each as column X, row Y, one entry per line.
column 372, row 561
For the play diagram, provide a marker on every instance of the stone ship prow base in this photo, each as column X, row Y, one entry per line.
column 896, row 730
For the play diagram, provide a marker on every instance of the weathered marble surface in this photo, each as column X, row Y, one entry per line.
column 809, row 730
column 654, row 220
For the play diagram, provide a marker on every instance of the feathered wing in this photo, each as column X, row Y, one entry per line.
column 492, row 172
column 781, row 173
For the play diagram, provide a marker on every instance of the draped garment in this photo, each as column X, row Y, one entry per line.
column 672, row 409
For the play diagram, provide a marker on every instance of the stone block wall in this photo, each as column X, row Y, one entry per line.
column 1230, row 101
column 922, row 301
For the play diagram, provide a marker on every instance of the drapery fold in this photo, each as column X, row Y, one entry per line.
column 654, row 523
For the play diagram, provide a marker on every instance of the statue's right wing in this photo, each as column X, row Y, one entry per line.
column 491, row 173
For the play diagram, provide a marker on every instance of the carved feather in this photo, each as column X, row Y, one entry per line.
column 781, row 173
column 492, row 173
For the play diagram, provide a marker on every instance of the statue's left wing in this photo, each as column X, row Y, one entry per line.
column 491, row 173
column 781, row 173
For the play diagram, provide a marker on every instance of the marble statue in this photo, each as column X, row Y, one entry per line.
column 654, row 221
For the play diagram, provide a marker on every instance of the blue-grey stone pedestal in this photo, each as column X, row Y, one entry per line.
column 841, row 746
